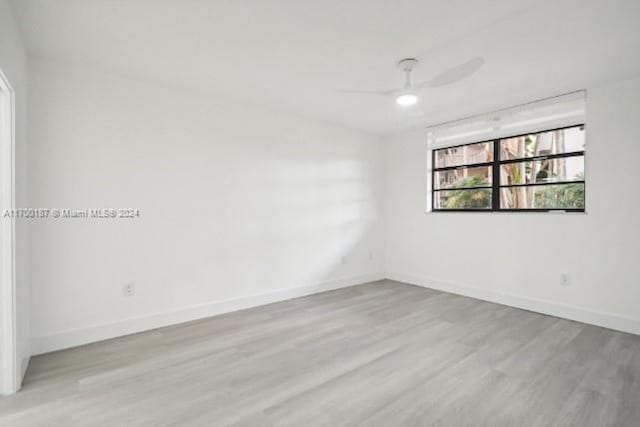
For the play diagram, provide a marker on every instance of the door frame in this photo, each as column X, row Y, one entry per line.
column 8, row 347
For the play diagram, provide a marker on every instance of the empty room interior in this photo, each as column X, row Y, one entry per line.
column 319, row 213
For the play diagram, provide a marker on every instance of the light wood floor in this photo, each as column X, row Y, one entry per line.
column 380, row 354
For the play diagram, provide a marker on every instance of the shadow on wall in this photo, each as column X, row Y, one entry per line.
column 310, row 220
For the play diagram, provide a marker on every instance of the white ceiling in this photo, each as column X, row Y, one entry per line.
column 295, row 54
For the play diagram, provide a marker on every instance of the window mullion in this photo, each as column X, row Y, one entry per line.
column 433, row 179
column 495, row 181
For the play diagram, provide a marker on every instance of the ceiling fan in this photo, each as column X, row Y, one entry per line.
column 409, row 94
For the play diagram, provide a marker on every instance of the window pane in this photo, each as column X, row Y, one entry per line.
column 464, row 155
column 543, row 143
column 464, row 178
column 562, row 196
column 463, row 199
column 541, row 171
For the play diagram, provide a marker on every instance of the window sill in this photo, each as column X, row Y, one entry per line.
column 522, row 212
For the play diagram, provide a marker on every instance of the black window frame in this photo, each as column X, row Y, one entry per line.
column 495, row 181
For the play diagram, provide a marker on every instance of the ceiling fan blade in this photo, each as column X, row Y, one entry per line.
column 455, row 74
column 370, row 92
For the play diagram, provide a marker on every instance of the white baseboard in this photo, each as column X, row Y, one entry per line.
column 23, row 368
column 76, row 337
column 565, row 311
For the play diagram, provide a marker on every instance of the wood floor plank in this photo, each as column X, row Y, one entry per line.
column 382, row 353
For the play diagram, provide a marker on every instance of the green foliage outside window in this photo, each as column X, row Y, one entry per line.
column 566, row 196
column 479, row 198
column 569, row 196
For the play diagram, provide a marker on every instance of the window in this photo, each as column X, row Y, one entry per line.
column 541, row 171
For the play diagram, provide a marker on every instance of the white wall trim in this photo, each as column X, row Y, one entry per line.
column 565, row 311
column 81, row 336
column 9, row 381
column 24, row 365
column 76, row 337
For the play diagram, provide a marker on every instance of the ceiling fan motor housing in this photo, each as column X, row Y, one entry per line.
column 407, row 64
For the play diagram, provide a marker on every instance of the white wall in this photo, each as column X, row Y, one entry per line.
column 518, row 258
column 238, row 203
column 235, row 202
column 13, row 62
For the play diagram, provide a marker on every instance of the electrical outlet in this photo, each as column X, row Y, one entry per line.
column 344, row 260
column 370, row 256
column 128, row 289
column 565, row 279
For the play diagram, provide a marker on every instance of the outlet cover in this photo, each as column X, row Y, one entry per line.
column 128, row 289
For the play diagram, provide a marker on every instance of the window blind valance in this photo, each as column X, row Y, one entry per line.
column 557, row 112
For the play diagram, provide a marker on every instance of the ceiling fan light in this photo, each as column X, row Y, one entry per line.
column 407, row 99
